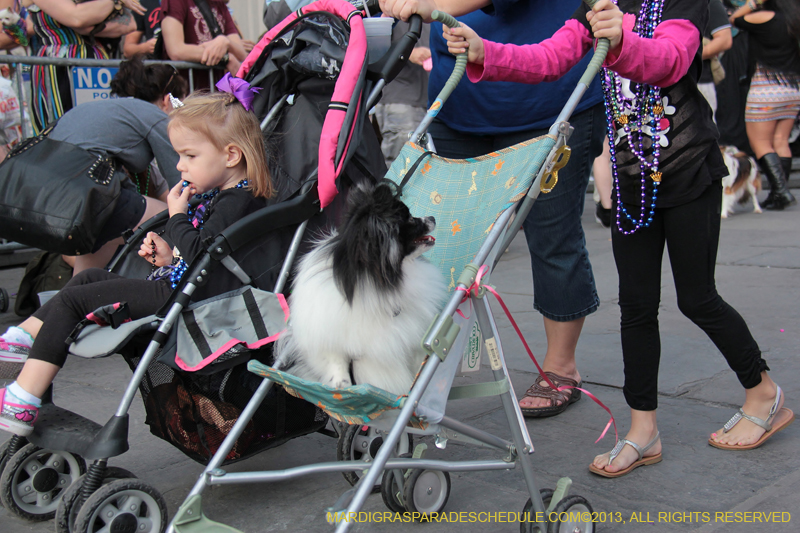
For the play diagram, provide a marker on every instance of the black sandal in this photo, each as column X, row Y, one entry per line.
column 567, row 397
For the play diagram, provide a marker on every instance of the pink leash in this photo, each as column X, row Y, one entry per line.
column 476, row 287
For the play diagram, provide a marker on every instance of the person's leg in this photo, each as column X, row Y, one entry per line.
column 692, row 240
column 761, row 135
column 601, row 170
column 83, row 294
column 101, row 257
column 558, row 252
column 638, row 260
column 780, row 138
column 397, row 121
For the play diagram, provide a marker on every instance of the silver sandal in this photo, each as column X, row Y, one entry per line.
column 642, row 461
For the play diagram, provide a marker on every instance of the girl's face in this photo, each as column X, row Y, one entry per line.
column 201, row 163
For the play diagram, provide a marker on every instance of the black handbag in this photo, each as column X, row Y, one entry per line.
column 56, row 196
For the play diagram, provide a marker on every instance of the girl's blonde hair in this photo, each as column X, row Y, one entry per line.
column 223, row 120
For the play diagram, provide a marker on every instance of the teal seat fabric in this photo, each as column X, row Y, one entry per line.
column 357, row 404
column 466, row 195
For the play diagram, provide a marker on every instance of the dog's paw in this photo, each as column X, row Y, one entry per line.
column 339, row 383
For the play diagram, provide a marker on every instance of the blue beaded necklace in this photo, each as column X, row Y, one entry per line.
column 196, row 216
column 633, row 115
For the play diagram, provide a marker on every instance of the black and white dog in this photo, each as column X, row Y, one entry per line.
column 364, row 295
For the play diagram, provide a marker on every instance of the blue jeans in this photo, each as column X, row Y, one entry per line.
column 563, row 282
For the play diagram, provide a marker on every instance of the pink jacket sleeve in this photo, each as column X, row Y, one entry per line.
column 533, row 63
column 660, row 61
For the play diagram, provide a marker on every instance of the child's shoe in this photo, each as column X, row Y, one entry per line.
column 16, row 417
column 12, row 352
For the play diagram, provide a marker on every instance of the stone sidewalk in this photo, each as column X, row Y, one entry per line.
column 695, row 488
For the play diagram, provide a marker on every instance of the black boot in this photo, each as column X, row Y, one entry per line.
column 779, row 195
column 769, row 202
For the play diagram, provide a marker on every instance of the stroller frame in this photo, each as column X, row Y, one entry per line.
column 438, row 343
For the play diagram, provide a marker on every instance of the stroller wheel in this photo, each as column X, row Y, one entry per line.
column 123, row 505
column 527, row 518
column 67, row 510
column 3, row 300
column 426, row 491
column 392, row 491
column 34, row 480
column 578, row 517
column 361, row 443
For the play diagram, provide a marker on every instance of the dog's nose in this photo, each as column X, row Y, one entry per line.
column 431, row 221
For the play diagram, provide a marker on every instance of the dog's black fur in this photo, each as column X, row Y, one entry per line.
column 377, row 233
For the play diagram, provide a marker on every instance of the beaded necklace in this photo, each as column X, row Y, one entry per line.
column 196, row 216
column 146, row 183
column 634, row 115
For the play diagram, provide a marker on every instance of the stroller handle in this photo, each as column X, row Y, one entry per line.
column 455, row 77
column 461, row 59
column 599, row 56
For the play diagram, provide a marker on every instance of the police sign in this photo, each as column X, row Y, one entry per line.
column 91, row 83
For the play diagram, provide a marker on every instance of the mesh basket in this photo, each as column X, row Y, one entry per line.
column 195, row 413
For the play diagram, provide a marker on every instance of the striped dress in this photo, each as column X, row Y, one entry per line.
column 51, row 95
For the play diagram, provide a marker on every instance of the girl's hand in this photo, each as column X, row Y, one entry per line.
column 214, row 50
column 178, row 198
column 464, row 39
column 606, row 21
column 152, row 245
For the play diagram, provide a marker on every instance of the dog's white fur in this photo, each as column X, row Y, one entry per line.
column 8, row 17
column 739, row 185
column 380, row 333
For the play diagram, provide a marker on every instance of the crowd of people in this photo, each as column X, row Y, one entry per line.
column 650, row 126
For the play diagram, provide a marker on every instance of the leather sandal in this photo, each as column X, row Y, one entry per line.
column 643, row 461
column 566, row 397
column 779, row 418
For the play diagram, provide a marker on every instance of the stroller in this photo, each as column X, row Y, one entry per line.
column 45, row 475
column 473, row 201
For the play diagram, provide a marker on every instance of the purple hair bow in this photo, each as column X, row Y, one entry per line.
column 238, row 88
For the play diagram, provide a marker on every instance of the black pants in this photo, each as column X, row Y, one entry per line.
column 691, row 233
column 83, row 294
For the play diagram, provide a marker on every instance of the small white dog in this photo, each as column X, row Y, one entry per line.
column 743, row 181
column 8, row 17
column 364, row 296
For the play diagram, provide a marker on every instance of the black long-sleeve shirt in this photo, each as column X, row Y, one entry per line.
column 772, row 46
column 226, row 208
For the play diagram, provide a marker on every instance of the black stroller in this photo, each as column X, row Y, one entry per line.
column 195, row 411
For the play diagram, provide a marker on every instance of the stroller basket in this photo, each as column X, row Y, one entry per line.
column 196, row 412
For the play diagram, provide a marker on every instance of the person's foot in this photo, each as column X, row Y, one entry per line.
column 602, row 215
column 16, row 416
column 629, row 455
column 759, row 404
column 532, row 402
column 12, row 352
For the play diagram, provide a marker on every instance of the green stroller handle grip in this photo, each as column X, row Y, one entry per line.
column 594, row 66
column 455, row 77
column 599, row 55
column 461, row 59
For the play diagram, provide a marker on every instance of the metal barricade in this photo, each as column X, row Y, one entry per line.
column 27, row 61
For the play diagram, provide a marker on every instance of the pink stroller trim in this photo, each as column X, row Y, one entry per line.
column 345, row 85
column 233, row 342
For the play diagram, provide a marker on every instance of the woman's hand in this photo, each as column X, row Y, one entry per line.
column 214, row 50
column 135, row 6
column 464, row 39
column 178, row 198
column 606, row 21
column 156, row 250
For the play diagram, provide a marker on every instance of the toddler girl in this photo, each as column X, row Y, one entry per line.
column 221, row 157
column 667, row 172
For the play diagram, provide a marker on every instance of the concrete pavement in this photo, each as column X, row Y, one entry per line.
column 695, row 488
